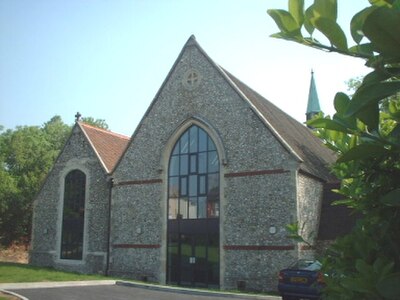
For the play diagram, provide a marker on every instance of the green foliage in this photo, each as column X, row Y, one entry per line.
column 293, row 231
column 100, row 123
column 365, row 132
column 26, row 155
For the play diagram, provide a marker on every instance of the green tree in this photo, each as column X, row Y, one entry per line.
column 100, row 123
column 365, row 132
column 26, row 156
column 57, row 133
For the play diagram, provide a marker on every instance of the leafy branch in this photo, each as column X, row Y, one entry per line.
column 365, row 133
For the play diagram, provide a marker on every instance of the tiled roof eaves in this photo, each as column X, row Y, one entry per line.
column 94, row 148
column 107, row 145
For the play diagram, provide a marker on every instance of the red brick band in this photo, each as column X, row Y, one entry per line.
column 258, row 247
column 139, row 182
column 137, row 246
column 256, row 173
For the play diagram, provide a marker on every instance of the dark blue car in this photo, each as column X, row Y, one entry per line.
column 302, row 280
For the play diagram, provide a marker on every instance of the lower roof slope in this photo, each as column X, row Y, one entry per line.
column 109, row 146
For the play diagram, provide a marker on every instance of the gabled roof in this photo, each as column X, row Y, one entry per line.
column 295, row 137
column 108, row 145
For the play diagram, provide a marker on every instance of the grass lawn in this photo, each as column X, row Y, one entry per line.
column 14, row 273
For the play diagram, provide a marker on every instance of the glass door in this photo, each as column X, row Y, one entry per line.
column 193, row 253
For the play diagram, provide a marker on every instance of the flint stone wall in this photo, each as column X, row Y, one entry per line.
column 250, row 205
column 310, row 195
column 47, row 212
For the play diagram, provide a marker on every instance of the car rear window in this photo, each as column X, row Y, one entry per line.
column 309, row 265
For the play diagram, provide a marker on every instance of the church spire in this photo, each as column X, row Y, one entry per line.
column 313, row 107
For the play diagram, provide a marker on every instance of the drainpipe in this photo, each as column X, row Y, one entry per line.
column 110, row 186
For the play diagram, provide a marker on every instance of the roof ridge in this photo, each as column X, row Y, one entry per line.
column 122, row 136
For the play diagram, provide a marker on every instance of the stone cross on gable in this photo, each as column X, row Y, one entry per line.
column 192, row 78
column 77, row 117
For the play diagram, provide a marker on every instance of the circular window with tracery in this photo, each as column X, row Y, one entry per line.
column 192, row 79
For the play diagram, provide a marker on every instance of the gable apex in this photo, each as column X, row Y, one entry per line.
column 295, row 138
column 191, row 41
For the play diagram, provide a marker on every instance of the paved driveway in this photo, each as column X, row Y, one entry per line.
column 114, row 292
column 120, row 292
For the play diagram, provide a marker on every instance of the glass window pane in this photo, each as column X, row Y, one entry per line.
column 212, row 207
column 213, row 196
column 202, row 185
column 213, row 163
column 213, row 184
column 193, row 172
column 184, row 141
column 183, row 186
column 173, row 187
column 193, row 138
column 202, row 209
column 192, row 207
column 202, row 140
column 193, row 185
column 184, row 168
column 73, row 215
column 176, row 149
column 173, row 207
column 203, row 162
column 183, row 208
column 211, row 145
column 193, row 163
column 174, row 166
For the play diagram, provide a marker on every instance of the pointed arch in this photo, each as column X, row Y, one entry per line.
column 193, row 161
column 73, row 215
column 203, row 124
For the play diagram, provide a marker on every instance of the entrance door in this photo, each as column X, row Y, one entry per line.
column 193, row 211
column 193, row 252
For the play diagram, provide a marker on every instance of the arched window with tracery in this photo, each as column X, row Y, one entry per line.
column 193, row 210
column 73, row 220
column 194, row 177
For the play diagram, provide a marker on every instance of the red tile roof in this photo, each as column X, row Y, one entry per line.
column 109, row 146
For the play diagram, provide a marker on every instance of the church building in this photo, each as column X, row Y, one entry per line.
column 200, row 195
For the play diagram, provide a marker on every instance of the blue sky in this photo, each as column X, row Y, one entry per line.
column 107, row 59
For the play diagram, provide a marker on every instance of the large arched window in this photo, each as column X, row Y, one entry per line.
column 193, row 177
column 193, row 211
column 73, row 215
